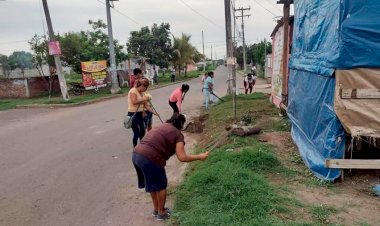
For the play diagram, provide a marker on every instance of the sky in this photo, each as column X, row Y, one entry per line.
column 20, row 20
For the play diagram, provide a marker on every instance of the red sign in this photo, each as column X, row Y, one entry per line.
column 54, row 48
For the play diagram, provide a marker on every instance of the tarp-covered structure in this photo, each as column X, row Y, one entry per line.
column 336, row 48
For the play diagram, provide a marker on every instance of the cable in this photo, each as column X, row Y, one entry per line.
column 122, row 14
column 201, row 15
column 274, row 6
column 265, row 8
column 5, row 43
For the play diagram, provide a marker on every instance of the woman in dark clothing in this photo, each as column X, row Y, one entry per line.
column 150, row 156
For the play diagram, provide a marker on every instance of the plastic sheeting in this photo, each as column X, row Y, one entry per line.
column 359, row 44
column 315, row 36
column 316, row 129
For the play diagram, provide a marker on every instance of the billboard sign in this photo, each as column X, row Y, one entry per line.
column 94, row 74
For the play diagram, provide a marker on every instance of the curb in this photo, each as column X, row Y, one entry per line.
column 91, row 101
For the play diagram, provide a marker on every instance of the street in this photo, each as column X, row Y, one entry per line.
column 72, row 166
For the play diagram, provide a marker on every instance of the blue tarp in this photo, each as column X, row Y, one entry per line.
column 327, row 35
column 315, row 36
column 359, row 43
column 316, row 129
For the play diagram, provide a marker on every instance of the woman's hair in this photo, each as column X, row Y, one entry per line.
column 177, row 120
column 185, row 87
column 142, row 82
column 210, row 73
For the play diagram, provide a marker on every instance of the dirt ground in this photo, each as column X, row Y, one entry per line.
column 353, row 200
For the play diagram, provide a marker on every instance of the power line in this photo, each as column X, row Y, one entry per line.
column 265, row 8
column 201, row 15
column 131, row 19
column 11, row 42
column 274, row 6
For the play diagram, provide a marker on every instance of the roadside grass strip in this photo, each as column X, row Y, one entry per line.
column 232, row 187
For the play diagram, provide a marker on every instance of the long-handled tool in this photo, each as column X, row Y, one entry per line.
column 150, row 102
column 217, row 96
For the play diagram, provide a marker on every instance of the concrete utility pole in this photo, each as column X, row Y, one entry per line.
column 230, row 55
column 241, row 9
column 227, row 11
column 57, row 59
column 204, row 57
column 285, row 51
column 114, row 83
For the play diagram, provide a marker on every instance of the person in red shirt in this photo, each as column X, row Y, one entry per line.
column 150, row 156
column 177, row 96
column 137, row 74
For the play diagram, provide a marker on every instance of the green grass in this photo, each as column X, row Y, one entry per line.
column 56, row 98
column 233, row 187
column 322, row 213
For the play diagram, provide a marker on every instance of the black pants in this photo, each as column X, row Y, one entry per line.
column 138, row 127
column 174, row 106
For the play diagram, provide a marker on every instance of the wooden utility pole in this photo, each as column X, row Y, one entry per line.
column 285, row 50
column 57, row 59
column 114, row 82
column 241, row 9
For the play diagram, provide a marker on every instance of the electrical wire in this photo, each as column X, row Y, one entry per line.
column 131, row 19
column 274, row 6
column 265, row 8
column 204, row 17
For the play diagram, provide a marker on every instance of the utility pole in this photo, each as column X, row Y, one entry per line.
column 114, row 83
column 230, row 55
column 285, row 50
column 241, row 9
column 211, row 56
column 204, row 57
column 57, row 59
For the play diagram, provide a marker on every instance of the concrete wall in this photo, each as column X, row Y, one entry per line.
column 26, row 87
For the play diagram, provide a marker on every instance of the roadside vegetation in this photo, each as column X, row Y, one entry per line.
column 255, row 180
column 88, row 95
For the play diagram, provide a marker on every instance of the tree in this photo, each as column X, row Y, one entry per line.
column 154, row 44
column 255, row 53
column 4, row 63
column 183, row 53
column 38, row 45
column 88, row 46
column 22, row 60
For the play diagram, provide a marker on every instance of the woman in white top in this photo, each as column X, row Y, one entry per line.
column 137, row 103
column 249, row 82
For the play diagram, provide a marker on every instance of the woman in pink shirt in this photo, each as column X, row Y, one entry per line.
column 176, row 98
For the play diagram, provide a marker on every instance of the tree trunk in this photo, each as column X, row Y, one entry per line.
column 246, row 130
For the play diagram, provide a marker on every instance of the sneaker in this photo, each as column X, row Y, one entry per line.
column 163, row 217
column 168, row 211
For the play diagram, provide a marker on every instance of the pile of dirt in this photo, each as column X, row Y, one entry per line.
column 196, row 124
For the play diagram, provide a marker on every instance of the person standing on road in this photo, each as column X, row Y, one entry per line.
column 137, row 102
column 208, row 88
column 177, row 96
column 150, row 156
column 137, row 74
column 155, row 75
column 148, row 116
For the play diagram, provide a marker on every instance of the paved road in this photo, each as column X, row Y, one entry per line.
column 57, row 165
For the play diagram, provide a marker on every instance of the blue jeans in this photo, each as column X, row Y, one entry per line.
column 137, row 127
column 207, row 94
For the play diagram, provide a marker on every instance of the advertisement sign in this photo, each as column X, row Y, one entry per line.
column 94, row 74
column 277, row 67
column 54, row 48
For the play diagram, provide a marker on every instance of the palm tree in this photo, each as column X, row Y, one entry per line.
column 183, row 52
